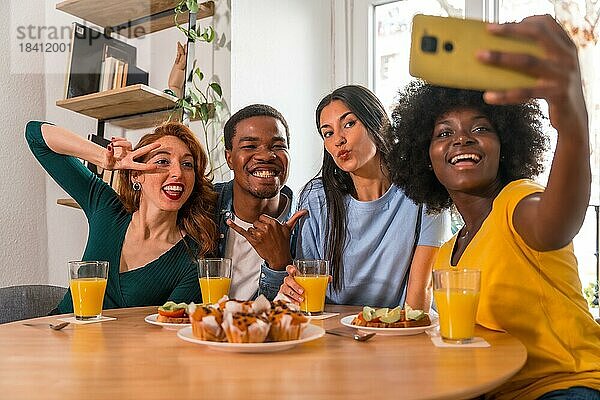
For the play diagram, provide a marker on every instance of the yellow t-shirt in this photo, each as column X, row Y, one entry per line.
column 536, row 297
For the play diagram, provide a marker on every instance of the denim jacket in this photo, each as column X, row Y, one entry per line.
column 270, row 279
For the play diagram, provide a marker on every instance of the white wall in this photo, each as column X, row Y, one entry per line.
column 22, row 215
column 281, row 56
column 67, row 227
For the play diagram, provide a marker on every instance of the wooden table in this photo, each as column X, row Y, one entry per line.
column 130, row 359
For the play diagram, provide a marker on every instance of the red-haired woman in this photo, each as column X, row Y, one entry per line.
column 153, row 231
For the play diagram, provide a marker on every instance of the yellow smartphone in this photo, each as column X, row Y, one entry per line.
column 443, row 52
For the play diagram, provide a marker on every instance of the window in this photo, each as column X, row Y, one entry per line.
column 391, row 47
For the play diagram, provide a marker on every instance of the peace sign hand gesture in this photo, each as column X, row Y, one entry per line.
column 120, row 155
column 270, row 238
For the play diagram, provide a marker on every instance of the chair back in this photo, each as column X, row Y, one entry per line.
column 28, row 301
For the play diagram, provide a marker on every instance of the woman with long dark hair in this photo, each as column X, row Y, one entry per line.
column 152, row 233
column 380, row 244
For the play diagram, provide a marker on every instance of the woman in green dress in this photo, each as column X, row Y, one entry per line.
column 152, row 231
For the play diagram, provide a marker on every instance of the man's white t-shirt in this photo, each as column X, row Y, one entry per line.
column 245, row 261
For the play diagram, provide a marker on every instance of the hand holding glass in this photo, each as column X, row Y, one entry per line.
column 313, row 276
column 88, row 284
column 214, row 275
column 456, row 294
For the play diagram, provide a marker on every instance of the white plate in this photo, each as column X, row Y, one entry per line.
column 312, row 332
column 347, row 321
column 151, row 319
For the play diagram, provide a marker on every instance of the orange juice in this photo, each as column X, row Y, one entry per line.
column 315, row 287
column 88, row 295
column 213, row 288
column 457, row 309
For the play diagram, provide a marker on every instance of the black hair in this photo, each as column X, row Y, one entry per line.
column 519, row 129
column 253, row 110
column 338, row 183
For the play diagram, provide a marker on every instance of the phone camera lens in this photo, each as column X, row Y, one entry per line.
column 429, row 44
column 448, row 46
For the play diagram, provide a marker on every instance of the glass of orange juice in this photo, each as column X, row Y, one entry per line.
column 214, row 275
column 313, row 276
column 88, row 284
column 456, row 294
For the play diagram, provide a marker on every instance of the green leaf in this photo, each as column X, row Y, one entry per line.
column 216, row 88
column 190, row 110
column 206, row 34
column 192, row 5
column 195, row 98
column 204, row 116
column 212, row 35
column 199, row 74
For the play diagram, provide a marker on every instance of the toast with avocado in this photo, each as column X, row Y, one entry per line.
column 391, row 318
column 173, row 313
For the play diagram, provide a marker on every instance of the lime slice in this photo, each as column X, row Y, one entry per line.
column 368, row 313
column 414, row 315
column 392, row 316
column 380, row 312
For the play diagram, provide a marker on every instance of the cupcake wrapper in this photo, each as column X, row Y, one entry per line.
column 284, row 329
column 255, row 333
column 208, row 329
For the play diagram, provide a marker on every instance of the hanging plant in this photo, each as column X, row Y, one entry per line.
column 202, row 34
column 199, row 104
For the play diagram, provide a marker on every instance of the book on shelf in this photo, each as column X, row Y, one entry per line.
column 106, row 74
column 87, row 61
column 136, row 76
column 125, row 72
column 118, row 74
column 112, row 74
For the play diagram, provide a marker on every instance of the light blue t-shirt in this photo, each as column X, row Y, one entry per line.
column 379, row 241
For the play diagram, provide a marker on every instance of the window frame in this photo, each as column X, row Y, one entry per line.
column 355, row 59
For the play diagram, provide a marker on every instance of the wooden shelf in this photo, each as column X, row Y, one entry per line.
column 147, row 120
column 150, row 120
column 68, row 203
column 118, row 103
column 130, row 18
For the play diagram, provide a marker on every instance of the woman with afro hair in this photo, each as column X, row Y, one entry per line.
column 478, row 152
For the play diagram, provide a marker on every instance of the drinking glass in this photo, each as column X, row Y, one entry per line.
column 87, row 280
column 456, row 294
column 313, row 276
column 214, row 275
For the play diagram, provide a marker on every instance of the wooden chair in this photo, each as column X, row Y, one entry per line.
column 28, row 301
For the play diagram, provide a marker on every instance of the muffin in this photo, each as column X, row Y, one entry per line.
column 286, row 324
column 259, row 306
column 236, row 306
column 245, row 327
column 207, row 323
column 284, row 305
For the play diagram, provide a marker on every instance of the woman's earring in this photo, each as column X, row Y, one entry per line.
column 136, row 186
column 430, row 167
